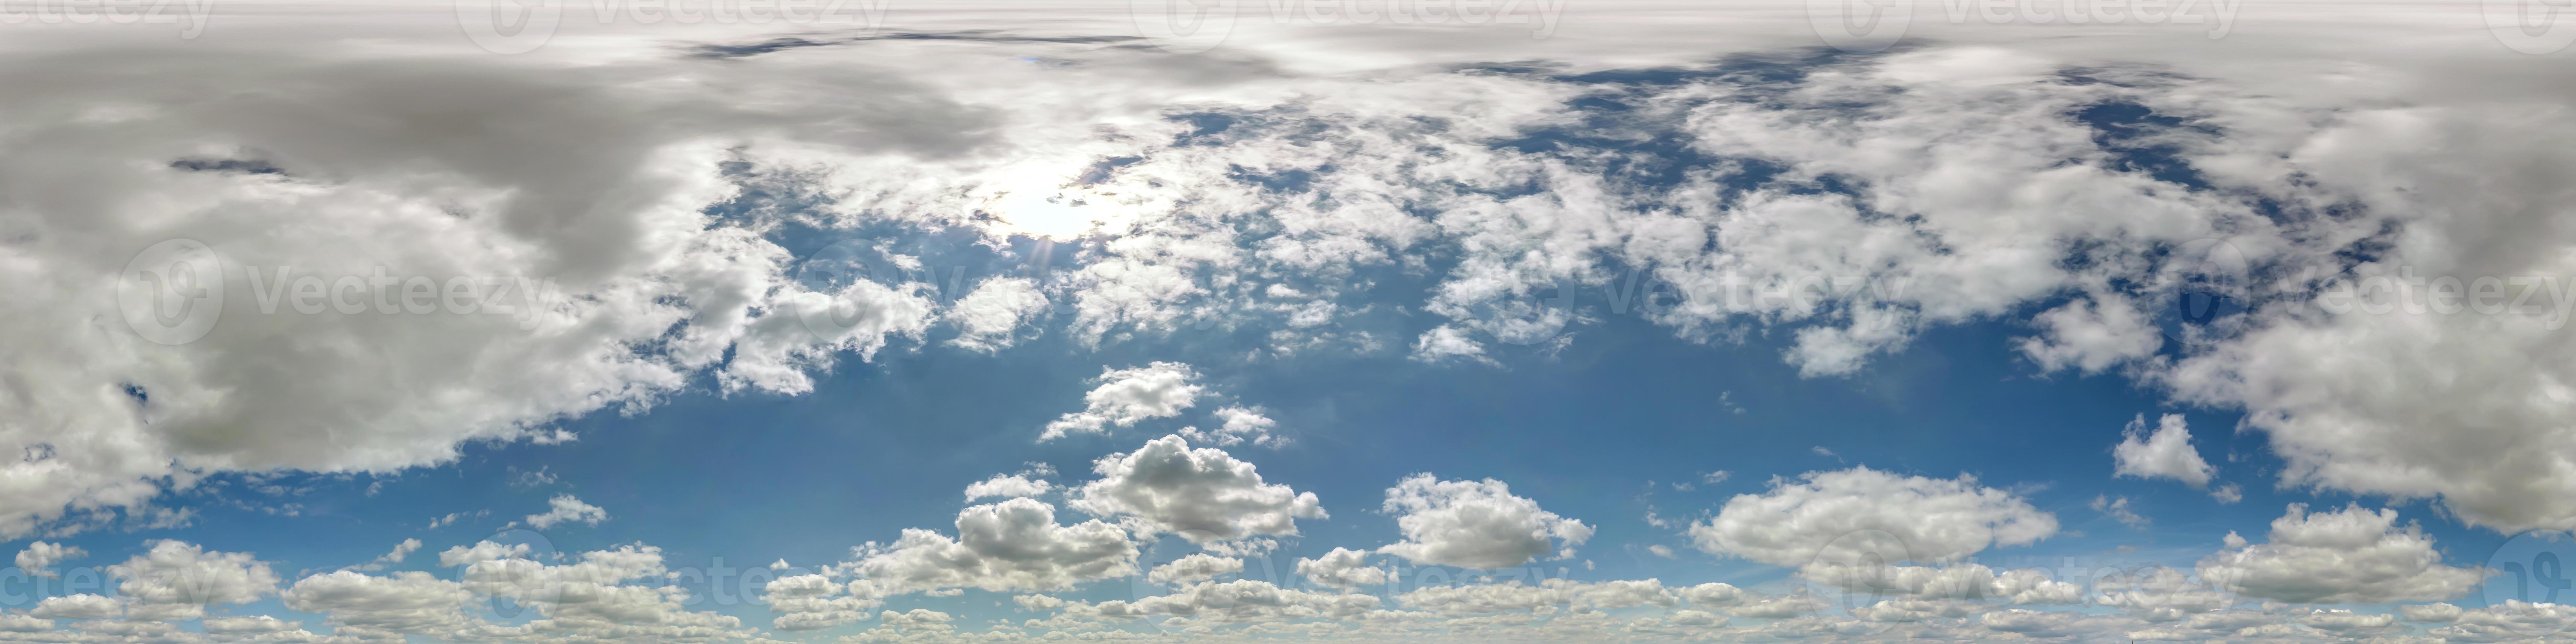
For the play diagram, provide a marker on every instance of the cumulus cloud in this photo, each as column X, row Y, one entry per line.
column 1007, row 486
column 1229, row 602
column 564, row 508
column 988, row 317
column 1203, row 494
column 403, row 602
column 248, row 625
column 2348, row 556
column 1342, row 568
column 40, row 556
column 1475, row 524
column 1862, row 515
column 1241, row 425
column 1195, row 567
column 1011, row 545
column 76, row 606
column 175, row 572
column 2167, row 453
column 1125, row 396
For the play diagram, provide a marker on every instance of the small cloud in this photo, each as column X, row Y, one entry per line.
column 1661, row 550
column 567, row 510
column 2228, row 493
column 2118, row 510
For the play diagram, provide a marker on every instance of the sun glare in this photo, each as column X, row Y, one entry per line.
column 1039, row 209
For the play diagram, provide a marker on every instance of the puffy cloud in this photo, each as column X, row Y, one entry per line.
column 1475, row 524
column 1342, row 568
column 988, row 317
column 564, row 508
column 1230, row 602
column 815, row 602
column 1860, row 515
column 76, row 606
column 1125, row 396
column 1010, row 486
column 248, row 625
column 2349, row 556
column 400, row 551
column 1960, row 581
column 175, row 572
column 2436, row 612
column 15, row 623
column 39, row 556
column 1013, row 544
column 1195, row 567
column 2167, row 453
column 1203, row 494
column 1477, row 599
column 481, row 551
column 1242, row 424
column 403, row 602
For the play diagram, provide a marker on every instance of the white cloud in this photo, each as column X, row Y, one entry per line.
column 2349, row 556
column 1202, row 494
column 1850, row 516
column 248, row 625
column 19, row 623
column 76, row 606
column 1342, row 568
column 1242, row 424
column 2167, row 453
column 1478, row 599
column 1010, row 486
column 404, row 602
column 988, row 317
column 1013, row 544
column 174, row 572
column 1475, row 524
column 567, row 509
column 2118, row 510
column 400, row 551
column 1230, row 602
column 1125, row 396
column 39, row 556
column 1193, row 568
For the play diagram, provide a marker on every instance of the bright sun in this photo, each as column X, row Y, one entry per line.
column 1040, row 210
